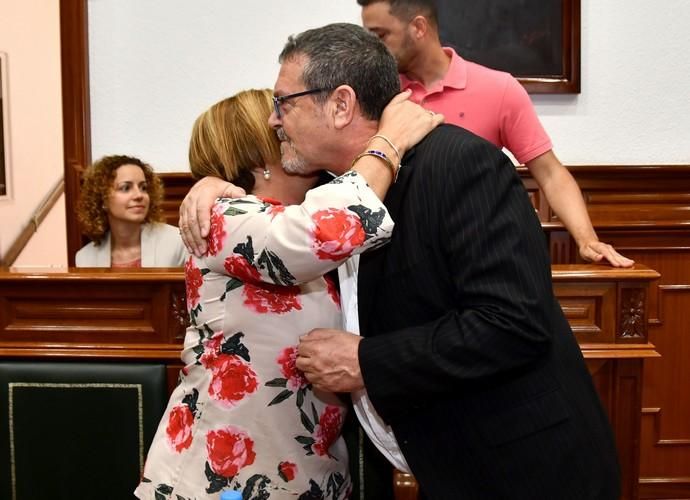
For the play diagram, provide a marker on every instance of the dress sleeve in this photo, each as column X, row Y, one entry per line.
column 255, row 240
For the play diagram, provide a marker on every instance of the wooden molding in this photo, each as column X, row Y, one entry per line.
column 76, row 122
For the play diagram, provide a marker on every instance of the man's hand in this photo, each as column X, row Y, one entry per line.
column 195, row 211
column 599, row 252
column 330, row 361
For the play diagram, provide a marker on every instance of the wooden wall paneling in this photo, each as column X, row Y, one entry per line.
column 176, row 187
column 94, row 313
column 607, row 312
column 665, row 424
column 644, row 211
column 111, row 316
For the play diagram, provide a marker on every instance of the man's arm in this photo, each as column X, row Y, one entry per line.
column 524, row 136
column 565, row 197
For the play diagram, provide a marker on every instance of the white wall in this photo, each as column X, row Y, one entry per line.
column 635, row 102
column 154, row 73
column 30, row 35
column 157, row 64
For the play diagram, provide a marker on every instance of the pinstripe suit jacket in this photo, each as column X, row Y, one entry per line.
column 467, row 353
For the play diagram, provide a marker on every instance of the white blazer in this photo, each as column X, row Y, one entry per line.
column 161, row 246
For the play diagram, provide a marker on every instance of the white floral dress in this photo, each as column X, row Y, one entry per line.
column 243, row 417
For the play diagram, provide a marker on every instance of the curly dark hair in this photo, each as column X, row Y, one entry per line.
column 96, row 186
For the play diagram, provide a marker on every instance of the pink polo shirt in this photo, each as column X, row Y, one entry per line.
column 490, row 103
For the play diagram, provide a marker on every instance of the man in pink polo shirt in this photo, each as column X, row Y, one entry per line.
column 490, row 103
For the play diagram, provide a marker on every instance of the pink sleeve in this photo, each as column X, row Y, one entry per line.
column 521, row 131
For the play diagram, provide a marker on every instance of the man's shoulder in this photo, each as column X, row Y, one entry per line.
column 449, row 146
column 479, row 70
column 480, row 78
column 485, row 81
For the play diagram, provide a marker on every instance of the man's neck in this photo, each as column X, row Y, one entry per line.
column 429, row 66
column 351, row 144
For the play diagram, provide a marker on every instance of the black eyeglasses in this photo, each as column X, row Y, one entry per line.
column 278, row 100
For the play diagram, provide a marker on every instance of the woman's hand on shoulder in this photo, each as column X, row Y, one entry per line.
column 195, row 211
column 405, row 123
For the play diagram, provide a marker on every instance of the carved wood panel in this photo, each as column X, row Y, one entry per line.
column 646, row 215
column 589, row 310
column 95, row 313
column 665, row 424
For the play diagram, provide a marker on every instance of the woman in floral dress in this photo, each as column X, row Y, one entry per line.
column 243, row 417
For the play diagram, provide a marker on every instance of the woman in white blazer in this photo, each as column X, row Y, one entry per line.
column 119, row 210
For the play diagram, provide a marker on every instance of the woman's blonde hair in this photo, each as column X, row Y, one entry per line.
column 96, row 188
column 233, row 137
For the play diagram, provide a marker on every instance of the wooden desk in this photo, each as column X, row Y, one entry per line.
column 101, row 314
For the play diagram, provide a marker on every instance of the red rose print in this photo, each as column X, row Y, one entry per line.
column 193, row 280
column 271, row 298
column 229, row 450
column 211, row 349
column 295, row 378
column 270, row 201
column 287, row 471
column 275, row 210
column 237, row 266
column 336, row 234
column 216, row 232
column 179, row 429
column 328, row 430
column 231, row 378
column 332, row 290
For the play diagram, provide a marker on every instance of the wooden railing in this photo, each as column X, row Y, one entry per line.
column 32, row 226
column 117, row 316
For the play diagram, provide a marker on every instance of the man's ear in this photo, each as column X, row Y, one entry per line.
column 419, row 27
column 344, row 104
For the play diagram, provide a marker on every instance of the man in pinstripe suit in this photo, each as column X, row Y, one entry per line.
column 465, row 352
column 467, row 373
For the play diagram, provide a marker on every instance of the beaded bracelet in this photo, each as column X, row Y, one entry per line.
column 381, row 156
column 387, row 141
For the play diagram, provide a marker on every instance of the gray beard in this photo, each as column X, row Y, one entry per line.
column 295, row 165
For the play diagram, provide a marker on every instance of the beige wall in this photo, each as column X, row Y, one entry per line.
column 30, row 35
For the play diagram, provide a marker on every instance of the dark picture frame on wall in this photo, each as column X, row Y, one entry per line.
column 4, row 135
column 537, row 41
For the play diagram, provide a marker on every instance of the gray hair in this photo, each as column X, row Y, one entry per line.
column 346, row 54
